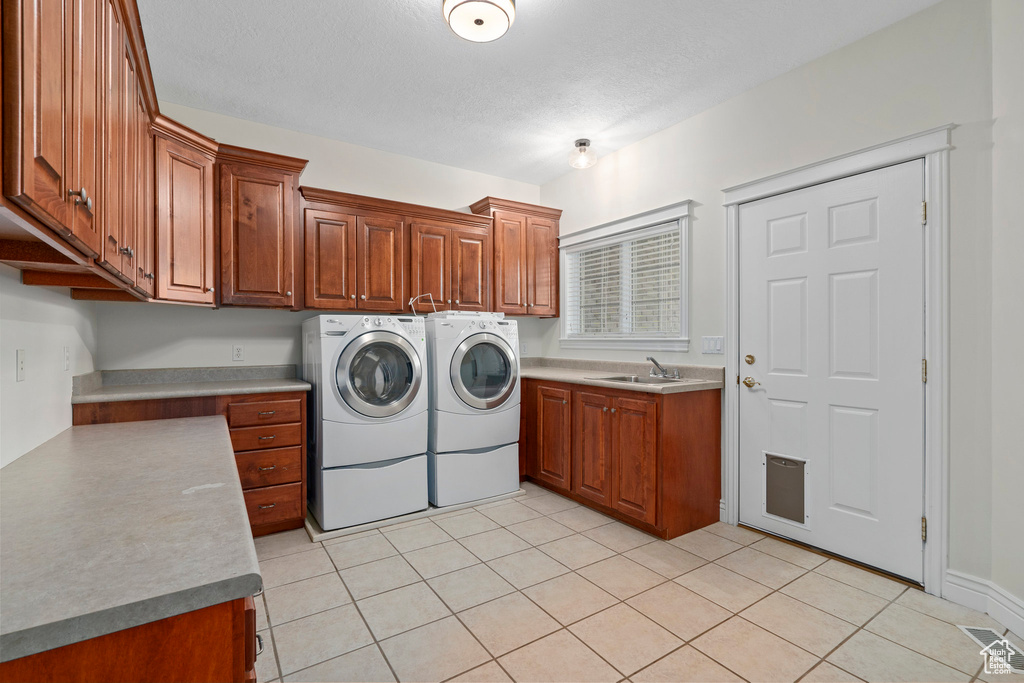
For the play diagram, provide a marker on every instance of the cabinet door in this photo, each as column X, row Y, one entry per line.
column 184, row 179
column 510, row 263
column 330, row 260
column 635, row 458
column 380, row 248
column 542, row 266
column 130, row 174
column 431, row 265
column 37, row 175
column 145, row 237
column 552, row 442
column 86, row 129
column 471, row 269
column 592, row 451
column 257, row 236
column 112, row 220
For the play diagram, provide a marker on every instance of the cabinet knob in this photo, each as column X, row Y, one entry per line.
column 210, row 290
column 148, row 276
column 363, row 297
column 456, row 301
column 449, row 300
column 127, row 251
column 81, row 197
column 613, row 410
column 287, row 293
column 353, row 296
column 564, row 402
column 605, row 409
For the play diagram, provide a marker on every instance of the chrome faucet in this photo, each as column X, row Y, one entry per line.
column 661, row 371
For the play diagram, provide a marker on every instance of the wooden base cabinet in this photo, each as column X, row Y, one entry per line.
column 650, row 460
column 215, row 644
column 268, row 434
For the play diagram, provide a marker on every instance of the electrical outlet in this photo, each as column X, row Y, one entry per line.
column 20, row 374
column 237, row 352
column 523, row 349
column 67, row 358
column 715, row 345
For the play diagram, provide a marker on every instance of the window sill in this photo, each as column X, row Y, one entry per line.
column 634, row 343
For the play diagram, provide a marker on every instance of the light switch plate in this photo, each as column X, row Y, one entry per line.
column 715, row 345
column 523, row 349
column 20, row 358
column 67, row 358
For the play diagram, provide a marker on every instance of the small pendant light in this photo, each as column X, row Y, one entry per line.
column 582, row 156
column 480, row 21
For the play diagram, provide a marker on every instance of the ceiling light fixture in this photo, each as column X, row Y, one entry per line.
column 480, row 21
column 582, row 156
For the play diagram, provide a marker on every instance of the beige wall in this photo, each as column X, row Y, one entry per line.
column 928, row 70
column 42, row 321
column 1007, row 294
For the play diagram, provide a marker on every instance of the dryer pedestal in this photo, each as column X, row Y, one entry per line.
column 357, row 494
column 465, row 476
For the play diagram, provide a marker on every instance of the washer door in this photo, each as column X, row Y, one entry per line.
column 378, row 374
column 484, row 371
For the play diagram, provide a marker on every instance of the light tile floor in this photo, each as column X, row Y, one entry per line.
column 540, row 589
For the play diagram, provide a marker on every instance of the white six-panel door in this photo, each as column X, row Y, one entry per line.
column 831, row 283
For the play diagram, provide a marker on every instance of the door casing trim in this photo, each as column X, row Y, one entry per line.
column 933, row 147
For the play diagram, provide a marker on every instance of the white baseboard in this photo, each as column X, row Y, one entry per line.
column 722, row 516
column 985, row 596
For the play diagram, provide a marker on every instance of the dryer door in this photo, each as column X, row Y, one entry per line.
column 484, row 371
column 378, row 374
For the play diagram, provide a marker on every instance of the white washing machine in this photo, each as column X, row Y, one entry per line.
column 368, row 418
column 473, row 447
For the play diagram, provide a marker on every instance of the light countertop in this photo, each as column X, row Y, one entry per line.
column 106, row 527
column 590, row 373
column 143, row 385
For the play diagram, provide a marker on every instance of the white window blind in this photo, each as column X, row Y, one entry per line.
column 629, row 287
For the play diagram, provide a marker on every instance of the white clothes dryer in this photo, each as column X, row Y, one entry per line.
column 368, row 417
column 473, row 446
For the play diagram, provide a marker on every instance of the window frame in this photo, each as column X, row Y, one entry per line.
column 616, row 232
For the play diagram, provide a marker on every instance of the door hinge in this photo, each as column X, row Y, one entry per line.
column 924, row 528
column 924, row 213
column 924, row 370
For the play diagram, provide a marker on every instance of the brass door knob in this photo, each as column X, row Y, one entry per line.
column 750, row 359
column 750, row 383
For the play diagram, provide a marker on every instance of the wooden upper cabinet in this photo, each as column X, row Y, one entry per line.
column 592, row 448
column 525, row 256
column 259, row 239
column 541, row 266
column 184, row 214
column 380, row 254
column 53, row 89
column 86, row 125
column 471, row 269
column 451, row 263
column 431, row 260
column 549, row 459
column 330, row 263
column 634, row 487
column 145, row 226
column 510, row 263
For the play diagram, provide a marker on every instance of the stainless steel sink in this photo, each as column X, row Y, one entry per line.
column 642, row 379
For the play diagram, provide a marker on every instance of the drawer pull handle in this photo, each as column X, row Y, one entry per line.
column 267, row 412
column 267, row 507
column 267, row 438
column 267, row 469
column 259, row 645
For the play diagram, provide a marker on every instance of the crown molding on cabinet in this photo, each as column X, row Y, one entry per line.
column 169, row 128
column 255, row 157
column 488, row 205
column 358, row 203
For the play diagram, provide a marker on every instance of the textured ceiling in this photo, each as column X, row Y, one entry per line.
column 390, row 75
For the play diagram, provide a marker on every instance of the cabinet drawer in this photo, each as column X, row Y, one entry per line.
column 270, row 436
column 269, row 467
column 274, row 503
column 264, row 413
